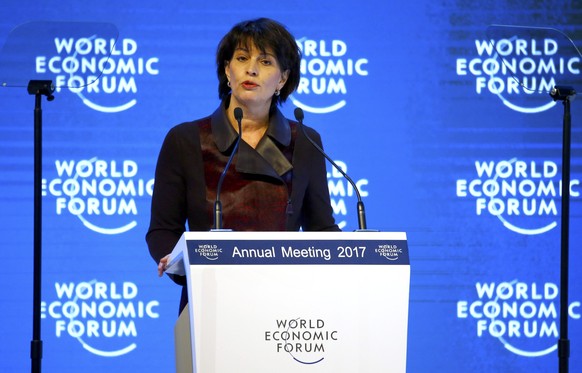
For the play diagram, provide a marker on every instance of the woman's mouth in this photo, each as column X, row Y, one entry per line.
column 249, row 85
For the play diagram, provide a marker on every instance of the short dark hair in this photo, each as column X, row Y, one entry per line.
column 263, row 33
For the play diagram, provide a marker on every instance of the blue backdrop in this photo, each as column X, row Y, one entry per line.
column 409, row 97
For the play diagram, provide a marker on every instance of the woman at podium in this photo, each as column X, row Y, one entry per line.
column 276, row 180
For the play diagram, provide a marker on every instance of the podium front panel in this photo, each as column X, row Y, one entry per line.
column 298, row 301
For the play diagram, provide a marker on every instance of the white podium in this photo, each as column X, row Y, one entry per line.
column 295, row 301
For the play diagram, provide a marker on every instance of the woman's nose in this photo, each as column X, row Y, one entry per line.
column 252, row 69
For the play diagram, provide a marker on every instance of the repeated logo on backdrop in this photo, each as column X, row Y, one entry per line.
column 102, row 317
column 523, row 195
column 327, row 68
column 522, row 316
column 104, row 74
column 520, row 66
column 102, row 194
column 521, row 71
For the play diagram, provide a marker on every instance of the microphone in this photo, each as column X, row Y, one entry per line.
column 238, row 115
column 361, row 210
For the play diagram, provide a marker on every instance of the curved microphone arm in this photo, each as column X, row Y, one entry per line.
column 361, row 210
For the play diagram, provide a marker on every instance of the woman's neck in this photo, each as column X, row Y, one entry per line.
column 254, row 124
column 255, row 120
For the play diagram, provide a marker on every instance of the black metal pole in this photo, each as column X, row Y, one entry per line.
column 38, row 88
column 564, row 342
column 565, row 94
column 36, row 343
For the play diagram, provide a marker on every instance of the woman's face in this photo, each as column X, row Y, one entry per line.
column 254, row 77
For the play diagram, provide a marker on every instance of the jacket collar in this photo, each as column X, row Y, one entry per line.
column 267, row 158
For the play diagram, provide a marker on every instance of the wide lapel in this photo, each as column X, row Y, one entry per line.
column 223, row 133
column 278, row 132
column 267, row 159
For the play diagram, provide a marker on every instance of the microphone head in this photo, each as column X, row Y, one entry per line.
column 298, row 114
column 238, row 114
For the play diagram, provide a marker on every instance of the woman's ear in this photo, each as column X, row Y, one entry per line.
column 226, row 65
column 284, row 77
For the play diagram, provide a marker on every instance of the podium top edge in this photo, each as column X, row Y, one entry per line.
column 399, row 236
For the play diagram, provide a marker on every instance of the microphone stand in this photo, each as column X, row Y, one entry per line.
column 362, row 227
column 238, row 115
column 38, row 88
column 565, row 94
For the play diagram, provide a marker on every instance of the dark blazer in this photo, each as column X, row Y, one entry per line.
column 280, row 185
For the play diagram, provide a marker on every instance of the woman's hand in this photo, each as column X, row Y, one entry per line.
column 163, row 264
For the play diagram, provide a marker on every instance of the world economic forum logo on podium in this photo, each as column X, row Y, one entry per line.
column 389, row 251
column 209, row 251
column 304, row 340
